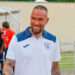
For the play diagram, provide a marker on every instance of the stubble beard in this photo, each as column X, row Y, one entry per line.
column 36, row 33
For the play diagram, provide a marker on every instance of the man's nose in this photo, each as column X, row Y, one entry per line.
column 36, row 22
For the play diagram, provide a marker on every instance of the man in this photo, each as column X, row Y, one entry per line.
column 34, row 51
column 8, row 34
column 1, row 47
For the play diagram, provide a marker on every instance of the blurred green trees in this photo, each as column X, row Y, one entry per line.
column 46, row 0
column 61, row 0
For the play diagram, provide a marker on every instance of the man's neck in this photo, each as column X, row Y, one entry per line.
column 7, row 30
column 37, row 36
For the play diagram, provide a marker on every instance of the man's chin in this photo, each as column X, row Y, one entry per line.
column 36, row 33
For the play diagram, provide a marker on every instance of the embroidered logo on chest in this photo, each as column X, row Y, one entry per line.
column 47, row 45
column 26, row 45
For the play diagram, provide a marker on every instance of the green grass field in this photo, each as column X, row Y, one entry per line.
column 68, row 61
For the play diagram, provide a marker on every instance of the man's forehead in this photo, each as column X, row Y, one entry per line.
column 39, row 12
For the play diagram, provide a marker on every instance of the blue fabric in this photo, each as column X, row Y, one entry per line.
column 0, row 71
column 49, row 36
column 1, row 57
column 26, row 34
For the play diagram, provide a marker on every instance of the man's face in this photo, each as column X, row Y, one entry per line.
column 3, row 28
column 38, row 20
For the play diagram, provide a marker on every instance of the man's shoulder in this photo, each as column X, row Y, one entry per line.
column 49, row 36
column 20, row 36
column 10, row 31
column 23, row 35
column 20, row 33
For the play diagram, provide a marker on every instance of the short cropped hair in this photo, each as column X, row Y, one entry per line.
column 41, row 7
column 6, row 24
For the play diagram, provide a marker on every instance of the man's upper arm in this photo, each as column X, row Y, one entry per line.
column 56, row 54
column 56, row 59
column 12, row 49
column 8, row 65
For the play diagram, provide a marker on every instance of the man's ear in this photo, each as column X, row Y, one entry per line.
column 47, row 20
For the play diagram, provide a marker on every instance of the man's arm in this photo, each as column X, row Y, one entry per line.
column 55, row 69
column 1, row 51
column 3, row 38
column 8, row 65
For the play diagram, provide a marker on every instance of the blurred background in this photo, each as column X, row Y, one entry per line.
column 61, row 24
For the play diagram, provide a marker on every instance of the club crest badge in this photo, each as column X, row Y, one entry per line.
column 47, row 45
column 7, row 38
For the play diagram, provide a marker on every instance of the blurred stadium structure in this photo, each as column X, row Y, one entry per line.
column 67, row 62
column 12, row 15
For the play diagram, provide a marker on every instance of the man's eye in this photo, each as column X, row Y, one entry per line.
column 40, row 19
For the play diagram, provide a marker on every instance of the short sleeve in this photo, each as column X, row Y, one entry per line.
column 12, row 49
column 56, row 54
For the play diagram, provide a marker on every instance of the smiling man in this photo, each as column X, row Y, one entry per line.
column 34, row 51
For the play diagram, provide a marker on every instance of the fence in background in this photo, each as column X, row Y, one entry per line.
column 67, row 62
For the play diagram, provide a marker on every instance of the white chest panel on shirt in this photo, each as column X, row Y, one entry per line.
column 35, row 53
